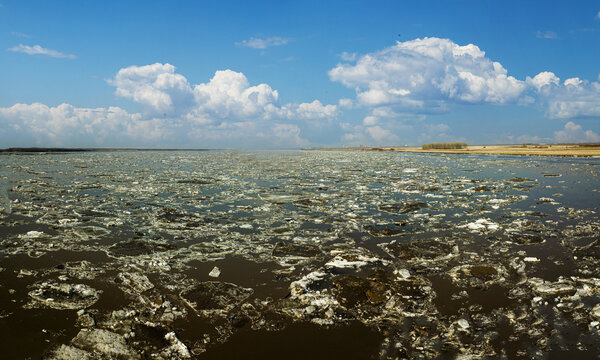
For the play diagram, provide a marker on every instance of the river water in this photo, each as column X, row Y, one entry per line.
column 298, row 254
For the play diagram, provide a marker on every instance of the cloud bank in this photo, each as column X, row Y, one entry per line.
column 433, row 75
column 427, row 74
column 573, row 98
column 223, row 111
column 397, row 91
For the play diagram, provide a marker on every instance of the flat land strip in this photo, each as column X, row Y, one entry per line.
column 576, row 150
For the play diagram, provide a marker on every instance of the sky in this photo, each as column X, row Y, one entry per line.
column 279, row 74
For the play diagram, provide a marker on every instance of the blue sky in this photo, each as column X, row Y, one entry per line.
column 276, row 74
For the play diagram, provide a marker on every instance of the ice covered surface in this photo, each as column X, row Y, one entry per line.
column 481, row 225
column 430, row 250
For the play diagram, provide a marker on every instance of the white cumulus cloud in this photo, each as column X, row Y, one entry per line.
column 428, row 73
column 571, row 99
column 155, row 86
column 225, row 111
column 72, row 126
column 573, row 133
column 229, row 94
column 38, row 50
column 542, row 79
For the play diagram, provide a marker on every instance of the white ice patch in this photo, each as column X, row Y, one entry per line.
column 463, row 324
column 278, row 198
column 215, row 272
column 67, row 222
column 341, row 263
column 32, row 235
column 481, row 225
column 298, row 287
column 299, row 290
column 402, row 273
column 496, row 203
column 547, row 200
column 177, row 346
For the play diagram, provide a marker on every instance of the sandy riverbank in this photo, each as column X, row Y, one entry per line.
column 531, row 150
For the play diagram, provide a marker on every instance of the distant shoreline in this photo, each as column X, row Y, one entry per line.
column 63, row 150
column 566, row 150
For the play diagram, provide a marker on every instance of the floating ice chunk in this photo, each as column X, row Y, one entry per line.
column 66, row 352
column 561, row 287
column 463, row 324
column 410, row 191
column 66, row 222
column 135, row 283
column 410, row 171
column 177, row 347
column 403, row 273
column 437, row 196
column 596, row 311
column 215, row 272
column 246, row 226
column 358, row 261
column 32, row 235
column 531, row 259
column 278, row 198
column 104, row 342
column 495, row 203
column 64, row 296
column 481, row 225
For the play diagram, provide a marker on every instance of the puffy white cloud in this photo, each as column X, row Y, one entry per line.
column 427, row 73
column 155, row 86
column 574, row 133
column 229, row 94
column 573, row 82
column 570, row 133
column 38, row 50
column 542, row 79
column 574, row 98
column 263, row 43
column 308, row 111
column 72, row 126
column 225, row 111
